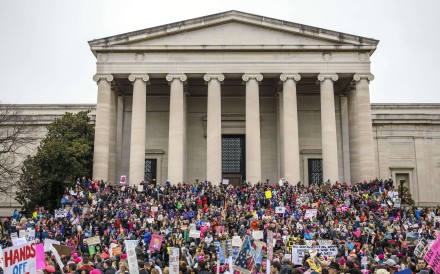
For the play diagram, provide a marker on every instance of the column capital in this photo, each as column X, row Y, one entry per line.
column 256, row 76
column 142, row 76
column 181, row 76
column 358, row 76
column 99, row 77
column 220, row 77
column 294, row 76
column 333, row 76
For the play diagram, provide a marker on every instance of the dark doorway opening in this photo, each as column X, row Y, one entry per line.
column 234, row 158
column 150, row 170
column 315, row 171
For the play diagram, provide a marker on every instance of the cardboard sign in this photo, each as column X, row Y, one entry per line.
column 130, row 247
column 174, row 260
column 63, row 249
column 20, row 259
column 280, row 209
column 298, row 251
column 155, row 243
column 194, row 234
column 93, row 240
column 57, row 256
column 123, row 179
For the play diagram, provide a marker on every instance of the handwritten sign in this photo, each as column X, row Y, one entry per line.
column 310, row 213
column 20, row 259
column 280, row 209
column 298, row 251
column 432, row 257
column 174, row 260
column 268, row 194
column 194, row 234
column 123, row 179
column 257, row 234
column 155, row 243
column 93, row 240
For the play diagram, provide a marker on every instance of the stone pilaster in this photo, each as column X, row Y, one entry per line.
column 177, row 129
column 328, row 128
column 345, row 137
column 367, row 166
column 290, row 128
column 138, row 127
column 214, row 128
column 253, row 137
column 102, row 127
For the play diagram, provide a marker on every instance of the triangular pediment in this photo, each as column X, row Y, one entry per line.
column 233, row 30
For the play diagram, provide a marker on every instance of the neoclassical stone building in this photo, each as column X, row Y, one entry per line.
column 237, row 96
column 244, row 97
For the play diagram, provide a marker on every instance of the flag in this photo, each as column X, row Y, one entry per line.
column 248, row 255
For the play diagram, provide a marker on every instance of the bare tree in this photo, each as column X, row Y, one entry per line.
column 18, row 136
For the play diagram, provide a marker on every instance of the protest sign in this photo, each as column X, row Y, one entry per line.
column 225, row 181
column 257, row 234
column 319, row 242
column 20, row 259
column 310, row 213
column 268, row 194
column 154, row 209
column 48, row 243
column 93, row 240
column 63, row 250
column 174, row 260
column 117, row 250
column 39, row 256
column 298, row 251
column 412, row 238
column 236, row 241
column 123, row 179
column 432, row 257
column 18, row 241
column 421, row 248
column 1, row 258
column 270, row 245
column 140, row 188
column 280, row 209
column 155, row 243
column 397, row 202
column 130, row 246
column 436, row 219
column 60, row 213
column 194, row 234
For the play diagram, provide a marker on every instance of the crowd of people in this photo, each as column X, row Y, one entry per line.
column 371, row 232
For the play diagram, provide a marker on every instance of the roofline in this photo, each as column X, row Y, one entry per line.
column 218, row 18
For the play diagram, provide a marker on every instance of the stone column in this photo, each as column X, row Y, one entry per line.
column 328, row 128
column 367, row 166
column 280, row 124
column 177, row 129
column 290, row 128
column 138, row 127
column 102, row 127
column 353, row 135
column 345, row 137
column 113, row 134
column 214, row 129
column 119, row 137
column 253, row 142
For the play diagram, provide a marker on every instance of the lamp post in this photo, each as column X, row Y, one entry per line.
column 401, row 188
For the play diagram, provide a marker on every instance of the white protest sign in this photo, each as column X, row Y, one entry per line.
column 236, row 241
column 130, row 246
column 18, row 241
column 154, row 209
column 174, row 260
column 298, row 251
column 57, row 256
column 194, row 234
column 48, row 243
column 436, row 219
column 397, row 202
column 310, row 213
column 22, row 233
column 280, row 209
column 20, row 259
column 225, row 181
column 60, row 213
column 140, row 189
column 257, row 234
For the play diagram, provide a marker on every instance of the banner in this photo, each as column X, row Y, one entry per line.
column 194, row 234
column 20, row 259
column 174, row 260
column 130, row 246
column 155, row 243
column 280, row 209
column 432, row 257
column 298, row 251
column 310, row 213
